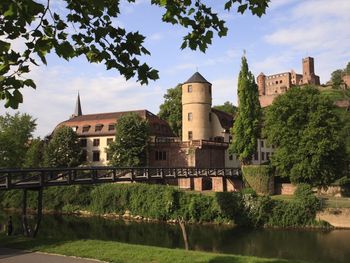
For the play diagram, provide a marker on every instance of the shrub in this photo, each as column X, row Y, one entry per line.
column 258, row 177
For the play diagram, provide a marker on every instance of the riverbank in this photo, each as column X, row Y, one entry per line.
column 111, row 251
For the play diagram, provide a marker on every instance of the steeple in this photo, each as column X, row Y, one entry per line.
column 78, row 111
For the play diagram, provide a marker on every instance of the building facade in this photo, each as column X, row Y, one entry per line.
column 273, row 85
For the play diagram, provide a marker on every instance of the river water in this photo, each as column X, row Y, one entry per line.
column 317, row 246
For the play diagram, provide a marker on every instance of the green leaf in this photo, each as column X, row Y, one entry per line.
column 30, row 83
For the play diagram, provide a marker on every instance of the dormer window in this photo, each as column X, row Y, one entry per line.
column 111, row 127
column 98, row 127
column 75, row 128
column 86, row 128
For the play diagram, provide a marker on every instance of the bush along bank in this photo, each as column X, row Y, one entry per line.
column 168, row 203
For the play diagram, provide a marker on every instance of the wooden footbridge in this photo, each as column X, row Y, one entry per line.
column 37, row 179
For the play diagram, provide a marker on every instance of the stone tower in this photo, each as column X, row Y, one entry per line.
column 309, row 76
column 196, row 108
column 261, row 84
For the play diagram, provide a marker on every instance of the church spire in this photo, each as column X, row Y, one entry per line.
column 78, row 111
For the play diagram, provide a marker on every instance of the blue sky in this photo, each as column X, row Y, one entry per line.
column 277, row 42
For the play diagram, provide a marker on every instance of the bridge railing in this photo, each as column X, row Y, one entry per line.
column 44, row 177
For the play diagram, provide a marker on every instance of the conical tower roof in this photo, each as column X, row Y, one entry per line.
column 197, row 78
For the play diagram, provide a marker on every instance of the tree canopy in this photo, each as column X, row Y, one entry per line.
column 246, row 129
column 171, row 109
column 88, row 28
column 307, row 133
column 16, row 133
column 34, row 157
column 337, row 76
column 130, row 145
column 63, row 150
column 227, row 107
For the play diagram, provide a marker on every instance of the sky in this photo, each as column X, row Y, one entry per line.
column 276, row 42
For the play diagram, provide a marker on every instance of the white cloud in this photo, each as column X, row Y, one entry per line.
column 224, row 90
column 155, row 37
column 55, row 97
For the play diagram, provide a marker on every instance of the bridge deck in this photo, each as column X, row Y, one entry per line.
column 45, row 177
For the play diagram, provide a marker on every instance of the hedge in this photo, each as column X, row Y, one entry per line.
column 258, row 177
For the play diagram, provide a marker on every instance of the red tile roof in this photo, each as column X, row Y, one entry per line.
column 159, row 127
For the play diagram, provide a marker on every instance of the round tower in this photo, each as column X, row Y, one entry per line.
column 196, row 108
column 261, row 84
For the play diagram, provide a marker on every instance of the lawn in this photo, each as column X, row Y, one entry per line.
column 328, row 202
column 111, row 251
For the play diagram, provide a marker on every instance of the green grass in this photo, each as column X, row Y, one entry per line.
column 120, row 252
column 328, row 202
column 335, row 94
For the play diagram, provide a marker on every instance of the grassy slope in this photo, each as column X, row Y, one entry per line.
column 120, row 252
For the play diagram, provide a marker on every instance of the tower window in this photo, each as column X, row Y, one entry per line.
column 189, row 88
column 190, row 116
column 96, row 156
column 190, row 135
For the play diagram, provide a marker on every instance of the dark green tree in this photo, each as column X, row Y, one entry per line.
column 171, row 109
column 35, row 154
column 63, row 150
column 246, row 129
column 347, row 69
column 96, row 36
column 130, row 146
column 336, row 78
column 307, row 133
column 15, row 134
column 227, row 107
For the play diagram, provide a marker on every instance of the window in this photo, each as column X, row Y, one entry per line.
column 256, row 156
column 96, row 142
column 276, row 81
column 109, row 141
column 209, row 116
column 108, row 156
column 262, row 143
column 280, row 81
column 160, row 156
column 84, row 156
column 267, row 156
column 262, row 156
column 230, row 157
column 96, row 156
column 83, row 142
column 189, row 117
column 86, row 128
column 189, row 88
column 190, row 135
column 111, row 127
column 98, row 127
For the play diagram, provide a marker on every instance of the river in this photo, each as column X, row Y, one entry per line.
column 310, row 245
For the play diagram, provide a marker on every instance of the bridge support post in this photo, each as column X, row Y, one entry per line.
column 28, row 231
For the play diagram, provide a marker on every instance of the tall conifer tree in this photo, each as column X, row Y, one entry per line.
column 246, row 129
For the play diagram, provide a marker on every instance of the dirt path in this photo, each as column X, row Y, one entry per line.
column 18, row 256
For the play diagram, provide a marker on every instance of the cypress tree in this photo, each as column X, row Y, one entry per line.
column 246, row 129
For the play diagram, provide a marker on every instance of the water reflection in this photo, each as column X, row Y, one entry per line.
column 315, row 246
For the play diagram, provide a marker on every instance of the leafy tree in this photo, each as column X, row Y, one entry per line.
column 63, row 150
column 130, row 145
column 347, row 69
column 15, row 133
column 227, row 107
column 307, row 133
column 171, row 109
column 43, row 29
column 35, row 154
column 336, row 77
column 246, row 129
